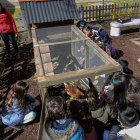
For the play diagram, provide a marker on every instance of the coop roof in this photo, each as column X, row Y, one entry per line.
column 50, row 11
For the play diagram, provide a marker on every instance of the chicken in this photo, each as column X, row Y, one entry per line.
column 73, row 91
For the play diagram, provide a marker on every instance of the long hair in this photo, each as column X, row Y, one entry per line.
column 17, row 92
column 83, row 119
column 2, row 9
column 92, row 97
column 126, row 90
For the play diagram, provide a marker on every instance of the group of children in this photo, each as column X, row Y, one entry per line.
column 101, row 37
column 97, row 118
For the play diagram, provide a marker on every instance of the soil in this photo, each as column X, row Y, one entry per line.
column 24, row 69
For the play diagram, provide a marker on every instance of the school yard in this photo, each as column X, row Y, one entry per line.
column 24, row 69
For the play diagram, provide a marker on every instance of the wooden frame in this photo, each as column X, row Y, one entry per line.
column 46, row 76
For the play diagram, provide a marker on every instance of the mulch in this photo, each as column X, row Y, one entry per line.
column 24, row 69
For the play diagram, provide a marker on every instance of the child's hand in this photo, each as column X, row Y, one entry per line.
column 81, row 62
column 37, row 103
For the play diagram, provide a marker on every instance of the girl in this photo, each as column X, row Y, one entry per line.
column 18, row 106
column 126, row 91
column 97, row 33
column 83, row 119
column 8, row 30
column 100, row 111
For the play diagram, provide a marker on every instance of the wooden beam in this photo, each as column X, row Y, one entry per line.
column 38, row 62
column 77, row 75
column 64, row 42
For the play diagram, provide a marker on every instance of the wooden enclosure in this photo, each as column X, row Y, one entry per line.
column 72, row 40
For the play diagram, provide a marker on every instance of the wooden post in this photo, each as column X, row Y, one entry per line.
column 93, row 13
column 27, row 25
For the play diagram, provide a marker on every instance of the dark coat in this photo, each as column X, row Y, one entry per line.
column 103, row 35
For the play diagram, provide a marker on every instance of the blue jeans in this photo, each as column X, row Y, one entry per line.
column 10, row 36
column 106, row 135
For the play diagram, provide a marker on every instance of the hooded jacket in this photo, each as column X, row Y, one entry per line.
column 103, row 35
column 14, row 116
column 70, row 130
column 123, row 133
column 101, row 115
column 7, row 23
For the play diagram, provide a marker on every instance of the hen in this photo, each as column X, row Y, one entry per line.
column 73, row 91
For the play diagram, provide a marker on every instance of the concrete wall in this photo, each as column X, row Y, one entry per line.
column 10, row 3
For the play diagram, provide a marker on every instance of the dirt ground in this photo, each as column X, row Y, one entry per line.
column 131, row 53
column 24, row 69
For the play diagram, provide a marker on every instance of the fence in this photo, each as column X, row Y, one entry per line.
column 109, row 11
column 20, row 23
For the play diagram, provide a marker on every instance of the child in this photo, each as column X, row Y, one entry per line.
column 8, row 31
column 129, row 125
column 97, row 34
column 100, row 111
column 126, row 91
column 102, row 39
column 18, row 106
column 81, row 24
column 83, row 119
column 2, row 68
column 57, row 125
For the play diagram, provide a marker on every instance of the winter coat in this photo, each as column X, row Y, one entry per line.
column 103, row 35
column 87, row 123
column 101, row 116
column 14, row 116
column 121, row 133
column 70, row 130
column 7, row 23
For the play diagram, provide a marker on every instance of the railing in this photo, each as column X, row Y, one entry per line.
column 110, row 11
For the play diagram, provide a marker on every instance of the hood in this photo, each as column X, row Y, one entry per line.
column 99, row 108
column 65, row 134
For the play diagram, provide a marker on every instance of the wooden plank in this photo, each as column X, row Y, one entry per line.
column 46, row 57
column 44, row 49
column 38, row 61
column 64, row 42
column 48, row 67
column 86, row 55
column 77, row 75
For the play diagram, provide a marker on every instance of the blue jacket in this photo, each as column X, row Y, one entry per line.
column 70, row 130
column 103, row 35
column 14, row 116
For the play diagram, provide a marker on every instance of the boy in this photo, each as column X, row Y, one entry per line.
column 57, row 125
column 129, row 125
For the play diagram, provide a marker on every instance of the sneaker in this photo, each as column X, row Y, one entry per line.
column 9, row 56
column 17, row 56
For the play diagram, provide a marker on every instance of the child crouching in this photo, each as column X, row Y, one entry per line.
column 100, row 111
column 57, row 125
column 84, row 119
column 18, row 106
